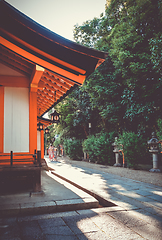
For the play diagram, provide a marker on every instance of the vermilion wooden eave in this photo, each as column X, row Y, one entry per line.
column 64, row 63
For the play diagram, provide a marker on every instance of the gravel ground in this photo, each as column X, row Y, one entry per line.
column 139, row 175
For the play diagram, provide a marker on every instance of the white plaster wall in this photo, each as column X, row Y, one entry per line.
column 16, row 119
column 38, row 140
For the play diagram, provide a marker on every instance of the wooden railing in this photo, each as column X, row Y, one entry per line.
column 12, row 158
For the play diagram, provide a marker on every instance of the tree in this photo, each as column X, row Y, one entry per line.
column 92, row 31
column 75, row 114
column 105, row 89
column 130, row 53
column 156, row 53
column 89, row 33
column 129, row 30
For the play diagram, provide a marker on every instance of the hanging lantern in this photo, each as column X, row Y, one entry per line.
column 39, row 126
column 46, row 131
column 55, row 117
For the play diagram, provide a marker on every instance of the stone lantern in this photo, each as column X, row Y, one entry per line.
column 116, row 151
column 154, row 149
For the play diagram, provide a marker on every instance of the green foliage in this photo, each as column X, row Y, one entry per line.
column 73, row 148
column 159, row 136
column 58, row 141
column 159, row 132
column 99, row 147
column 91, row 31
column 105, row 89
column 135, row 23
column 134, row 148
column 50, row 137
column 75, row 113
column 156, row 52
column 125, row 93
column 127, row 89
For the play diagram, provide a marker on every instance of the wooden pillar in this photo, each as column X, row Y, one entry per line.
column 42, row 144
column 1, row 118
column 35, row 78
column 32, row 121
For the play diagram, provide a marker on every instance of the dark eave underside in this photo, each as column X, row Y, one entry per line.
column 51, row 88
column 25, row 44
column 24, row 28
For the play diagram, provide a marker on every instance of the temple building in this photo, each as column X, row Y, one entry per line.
column 38, row 68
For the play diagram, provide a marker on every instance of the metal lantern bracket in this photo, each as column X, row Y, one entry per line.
column 46, row 131
column 39, row 126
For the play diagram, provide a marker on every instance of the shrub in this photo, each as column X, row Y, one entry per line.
column 134, row 148
column 99, row 148
column 159, row 132
column 159, row 136
column 73, row 148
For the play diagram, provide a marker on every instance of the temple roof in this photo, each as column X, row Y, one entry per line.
column 51, row 63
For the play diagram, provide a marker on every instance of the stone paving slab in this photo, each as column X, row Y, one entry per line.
column 101, row 223
column 125, row 191
column 137, row 214
column 57, row 196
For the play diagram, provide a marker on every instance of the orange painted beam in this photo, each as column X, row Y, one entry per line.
column 77, row 78
column 14, row 81
column 36, row 76
column 1, row 118
column 68, row 65
column 32, row 121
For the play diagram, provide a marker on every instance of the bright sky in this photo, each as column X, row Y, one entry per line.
column 60, row 16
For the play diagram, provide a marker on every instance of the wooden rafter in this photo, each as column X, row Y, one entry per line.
column 43, row 104
column 45, row 99
column 13, row 66
column 52, row 93
column 54, row 90
column 71, row 83
column 41, row 111
column 16, row 66
column 54, row 85
column 15, row 58
column 45, row 94
column 55, row 80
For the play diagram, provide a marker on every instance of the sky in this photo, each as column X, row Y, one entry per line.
column 60, row 16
